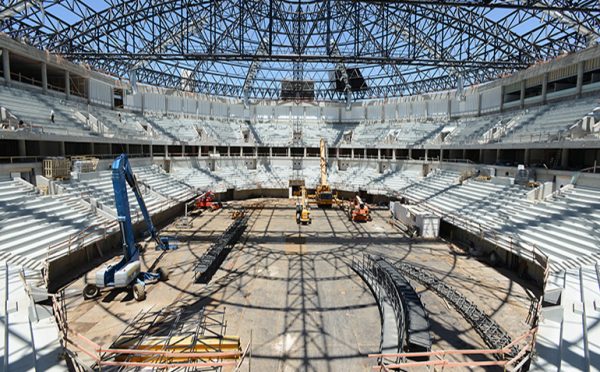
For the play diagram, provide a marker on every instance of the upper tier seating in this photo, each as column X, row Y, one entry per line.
column 34, row 110
column 164, row 184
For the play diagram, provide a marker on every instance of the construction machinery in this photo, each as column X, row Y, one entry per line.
column 207, row 201
column 303, row 210
column 359, row 210
column 323, row 194
column 127, row 272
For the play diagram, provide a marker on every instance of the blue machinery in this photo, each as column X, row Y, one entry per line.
column 127, row 272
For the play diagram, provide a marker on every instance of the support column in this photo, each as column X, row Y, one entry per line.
column 481, row 156
column 229, row 151
column 92, row 148
column 464, row 154
column 441, row 154
column 6, row 64
column 378, row 154
column 270, row 152
column 166, row 151
column 564, row 158
column 23, row 148
column 67, row 84
column 426, row 154
column 497, row 156
column 151, row 152
column 502, row 89
column 544, row 88
column 410, row 154
column 214, row 150
column 579, row 79
column 44, row 77
column 63, row 151
column 522, row 94
column 526, row 157
column 127, row 148
column 182, row 151
column 393, row 154
column 305, row 152
column 241, row 151
column 352, row 153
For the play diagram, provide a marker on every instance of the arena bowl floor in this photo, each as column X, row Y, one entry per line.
column 292, row 288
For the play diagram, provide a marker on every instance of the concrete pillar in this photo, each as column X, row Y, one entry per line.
column 44, row 77
column 166, row 151
column 214, row 149
column 92, row 148
column 152, row 152
column 479, row 104
column 502, row 89
column 241, row 151
column 579, row 79
column 564, row 158
column 522, row 95
column 67, row 84
column 182, row 151
column 378, row 154
column 127, row 148
column 441, row 154
column 464, row 154
column 426, row 154
column 544, row 88
column 480, row 156
column 6, row 64
column 526, row 157
column 410, row 153
column 288, row 152
column 393, row 154
column 270, row 152
column 352, row 153
column 337, row 152
column 497, row 156
column 304, row 152
column 22, row 148
column 63, row 151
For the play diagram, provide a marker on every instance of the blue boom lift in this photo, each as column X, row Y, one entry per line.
column 127, row 272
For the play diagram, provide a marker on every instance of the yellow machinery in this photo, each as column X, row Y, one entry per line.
column 302, row 210
column 323, row 194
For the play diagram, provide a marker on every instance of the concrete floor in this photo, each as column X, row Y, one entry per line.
column 289, row 288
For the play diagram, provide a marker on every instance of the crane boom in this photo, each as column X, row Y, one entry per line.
column 323, row 163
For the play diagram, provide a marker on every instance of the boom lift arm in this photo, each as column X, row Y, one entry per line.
column 127, row 272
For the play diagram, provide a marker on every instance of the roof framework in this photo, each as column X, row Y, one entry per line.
column 244, row 48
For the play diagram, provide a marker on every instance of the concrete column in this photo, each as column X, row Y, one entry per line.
column 23, row 148
column 337, row 152
column 464, row 154
column 522, row 95
column 502, row 89
column 441, row 154
column 480, row 156
column 166, row 151
column 426, row 154
column 152, row 152
column 305, row 152
column 127, row 148
column 214, row 150
column 352, row 153
column 410, row 153
column 526, row 157
column 564, row 158
column 393, row 154
column 479, row 104
column 288, row 152
column 544, row 88
column 44, row 77
column 63, row 151
column 182, row 151
column 92, row 148
column 67, row 84
column 228, row 150
column 378, row 154
column 497, row 156
column 6, row 64
column 579, row 79
column 241, row 151
column 270, row 152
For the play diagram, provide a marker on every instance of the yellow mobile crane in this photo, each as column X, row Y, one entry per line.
column 323, row 194
column 302, row 210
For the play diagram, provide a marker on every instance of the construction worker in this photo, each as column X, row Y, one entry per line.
column 52, row 116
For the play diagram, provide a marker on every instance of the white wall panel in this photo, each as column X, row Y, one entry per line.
column 101, row 93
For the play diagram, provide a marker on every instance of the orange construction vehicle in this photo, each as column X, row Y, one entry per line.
column 207, row 201
column 359, row 211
